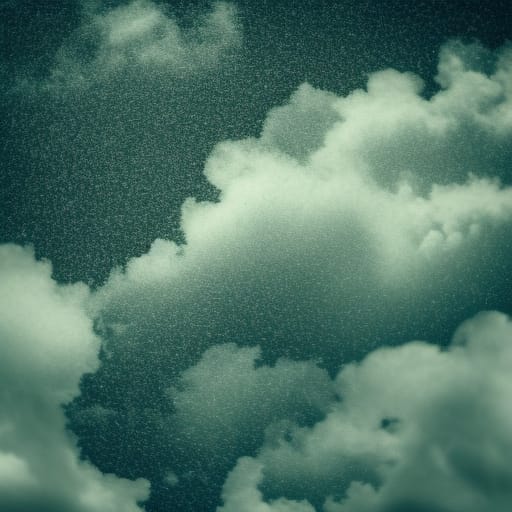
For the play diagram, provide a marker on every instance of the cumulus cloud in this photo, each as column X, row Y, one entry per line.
column 141, row 34
column 47, row 343
column 207, row 413
column 334, row 211
column 350, row 223
column 415, row 428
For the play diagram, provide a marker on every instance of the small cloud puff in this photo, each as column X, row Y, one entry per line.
column 226, row 402
column 143, row 35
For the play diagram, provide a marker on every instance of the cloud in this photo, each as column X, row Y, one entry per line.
column 225, row 403
column 142, row 35
column 242, row 495
column 416, row 428
column 350, row 223
column 321, row 226
column 47, row 344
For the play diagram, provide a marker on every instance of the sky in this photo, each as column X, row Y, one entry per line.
column 255, row 256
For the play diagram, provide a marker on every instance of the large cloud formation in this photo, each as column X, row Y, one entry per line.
column 350, row 223
column 319, row 244
column 47, row 344
column 415, row 428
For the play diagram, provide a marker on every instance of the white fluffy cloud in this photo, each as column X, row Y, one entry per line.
column 416, row 428
column 47, row 343
column 143, row 34
column 345, row 198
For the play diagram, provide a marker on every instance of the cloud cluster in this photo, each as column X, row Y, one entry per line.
column 47, row 343
column 415, row 428
column 350, row 223
column 142, row 35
